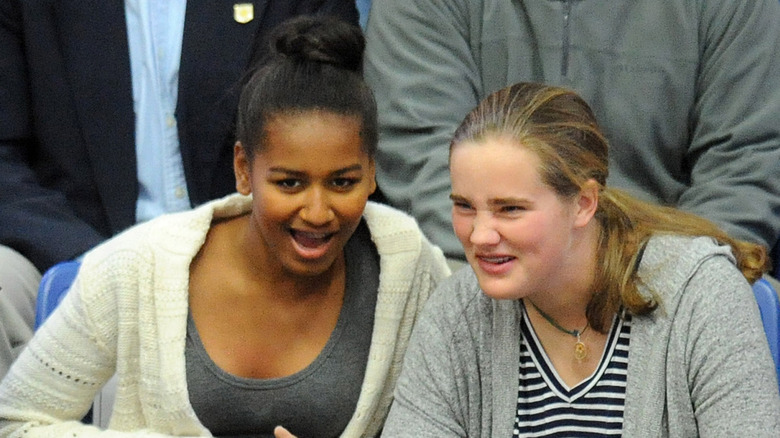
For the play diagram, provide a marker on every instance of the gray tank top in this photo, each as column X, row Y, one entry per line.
column 316, row 402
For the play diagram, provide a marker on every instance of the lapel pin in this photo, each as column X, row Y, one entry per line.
column 243, row 12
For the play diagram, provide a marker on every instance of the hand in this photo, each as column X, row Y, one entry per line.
column 280, row 432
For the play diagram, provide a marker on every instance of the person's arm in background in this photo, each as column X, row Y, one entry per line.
column 36, row 221
column 735, row 124
column 420, row 66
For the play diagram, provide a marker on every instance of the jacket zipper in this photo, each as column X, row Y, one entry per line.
column 566, row 31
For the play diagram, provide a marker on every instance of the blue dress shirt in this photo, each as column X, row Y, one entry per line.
column 154, row 31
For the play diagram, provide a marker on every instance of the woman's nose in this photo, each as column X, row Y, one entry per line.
column 317, row 209
column 483, row 231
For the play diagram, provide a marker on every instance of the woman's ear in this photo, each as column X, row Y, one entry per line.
column 587, row 203
column 242, row 169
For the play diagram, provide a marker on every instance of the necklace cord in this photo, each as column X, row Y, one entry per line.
column 575, row 333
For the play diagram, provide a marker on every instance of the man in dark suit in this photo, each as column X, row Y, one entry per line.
column 69, row 120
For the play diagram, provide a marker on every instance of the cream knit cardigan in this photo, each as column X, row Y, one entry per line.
column 127, row 313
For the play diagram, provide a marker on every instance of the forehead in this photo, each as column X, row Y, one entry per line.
column 495, row 167
column 300, row 139
column 495, row 153
column 300, row 122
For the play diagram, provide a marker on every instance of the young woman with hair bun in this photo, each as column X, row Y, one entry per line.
column 289, row 303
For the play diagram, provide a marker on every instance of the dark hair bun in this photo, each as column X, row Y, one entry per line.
column 322, row 39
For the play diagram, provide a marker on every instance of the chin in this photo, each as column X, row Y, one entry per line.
column 309, row 268
column 502, row 294
column 499, row 288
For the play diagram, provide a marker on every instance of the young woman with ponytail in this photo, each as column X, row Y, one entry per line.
column 586, row 312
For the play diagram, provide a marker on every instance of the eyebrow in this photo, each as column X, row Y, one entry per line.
column 352, row 168
column 498, row 202
column 495, row 202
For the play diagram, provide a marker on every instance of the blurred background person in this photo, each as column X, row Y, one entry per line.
column 686, row 93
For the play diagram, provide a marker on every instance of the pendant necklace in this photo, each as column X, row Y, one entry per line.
column 580, row 349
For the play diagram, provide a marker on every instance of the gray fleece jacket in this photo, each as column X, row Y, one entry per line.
column 686, row 91
column 699, row 366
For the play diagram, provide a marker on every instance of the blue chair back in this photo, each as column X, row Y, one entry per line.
column 54, row 283
column 769, row 306
column 363, row 6
column 57, row 280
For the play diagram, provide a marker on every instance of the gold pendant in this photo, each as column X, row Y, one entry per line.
column 580, row 351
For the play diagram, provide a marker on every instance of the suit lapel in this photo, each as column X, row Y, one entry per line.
column 96, row 56
column 216, row 50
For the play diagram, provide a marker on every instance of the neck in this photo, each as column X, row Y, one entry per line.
column 566, row 298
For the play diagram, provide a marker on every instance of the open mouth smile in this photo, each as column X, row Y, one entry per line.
column 496, row 259
column 311, row 245
column 495, row 264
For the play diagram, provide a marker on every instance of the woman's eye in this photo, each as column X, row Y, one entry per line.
column 461, row 205
column 288, row 183
column 512, row 209
column 344, row 183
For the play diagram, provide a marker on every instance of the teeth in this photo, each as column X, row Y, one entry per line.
column 496, row 259
column 310, row 239
column 310, row 235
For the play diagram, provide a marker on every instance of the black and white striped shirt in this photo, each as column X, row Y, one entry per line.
column 547, row 407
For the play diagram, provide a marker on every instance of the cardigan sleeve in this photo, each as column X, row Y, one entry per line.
column 425, row 402
column 411, row 267
column 52, row 384
column 439, row 393
column 730, row 374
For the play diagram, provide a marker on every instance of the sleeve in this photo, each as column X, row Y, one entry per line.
column 432, row 269
column 36, row 221
column 427, row 393
column 410, row 274
column 731, row 375
column 54, row 381
column 420, row 66
column 735, row 131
